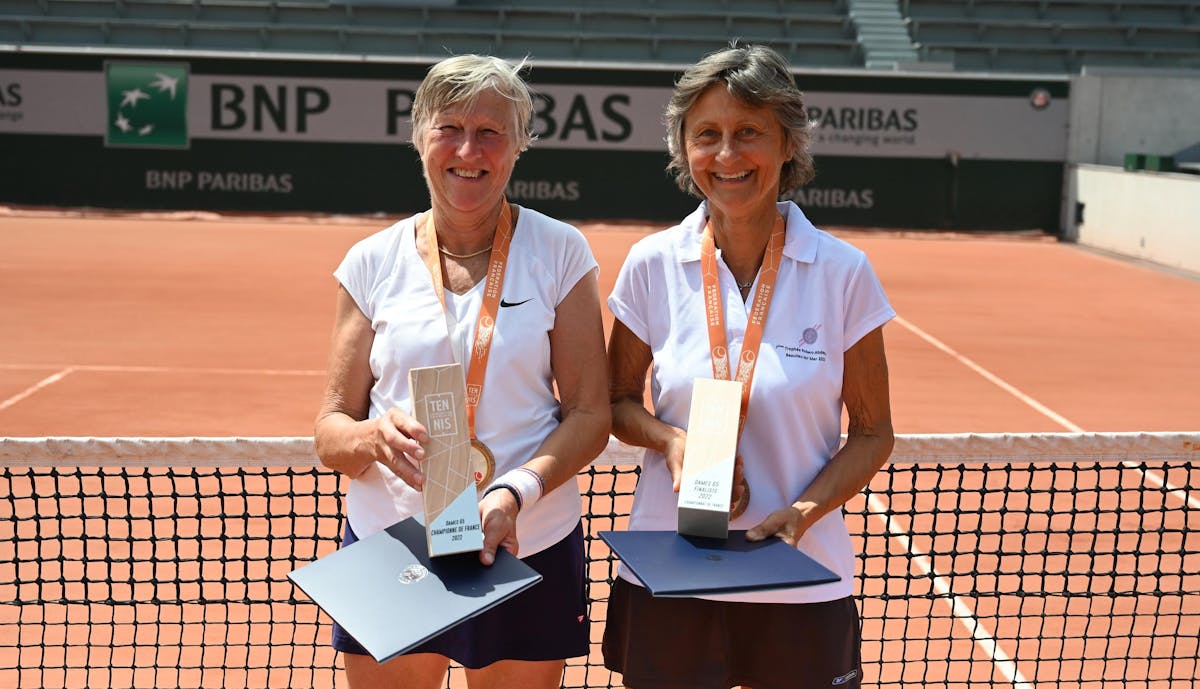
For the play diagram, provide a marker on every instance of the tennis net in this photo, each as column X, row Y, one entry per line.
column 1047, row 560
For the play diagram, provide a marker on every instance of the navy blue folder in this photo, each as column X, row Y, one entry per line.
column 390, row 595
column 672, row 565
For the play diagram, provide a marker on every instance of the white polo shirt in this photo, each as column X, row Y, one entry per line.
column 392, row 286
column 826, row 298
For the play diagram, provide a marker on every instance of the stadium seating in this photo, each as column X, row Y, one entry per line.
column 814, row 33
column 998, row 35
column 1055, row 35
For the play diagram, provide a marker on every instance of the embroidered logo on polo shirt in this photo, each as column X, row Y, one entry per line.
column 805, row 347
column 809, row 336
column 506, row 304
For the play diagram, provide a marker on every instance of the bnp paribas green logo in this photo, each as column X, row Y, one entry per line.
column 147, row 105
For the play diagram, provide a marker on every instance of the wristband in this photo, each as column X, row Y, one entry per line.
column 498, row 486
column 525, row 483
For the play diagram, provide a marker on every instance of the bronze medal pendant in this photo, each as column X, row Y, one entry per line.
column 483, row 462
column 739, row 508
column 756, row 325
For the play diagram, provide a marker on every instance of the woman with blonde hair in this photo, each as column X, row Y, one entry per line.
column 420, row 293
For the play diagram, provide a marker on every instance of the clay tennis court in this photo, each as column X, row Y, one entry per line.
column 128, row 325
column 203, row 326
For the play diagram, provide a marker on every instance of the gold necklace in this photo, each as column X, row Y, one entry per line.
column 451, row 254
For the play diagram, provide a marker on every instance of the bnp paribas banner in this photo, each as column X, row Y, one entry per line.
column 332, row 136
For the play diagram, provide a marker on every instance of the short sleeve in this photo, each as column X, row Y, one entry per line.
column 359, row 271
column 355, row 274
column 576, row 261
column 630, row 296
column 867, row 305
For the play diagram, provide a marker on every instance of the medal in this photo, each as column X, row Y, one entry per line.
column 739, row 508
column 483, row 462
column 719, row 351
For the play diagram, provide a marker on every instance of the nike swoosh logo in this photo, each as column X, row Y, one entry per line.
column 513, row 303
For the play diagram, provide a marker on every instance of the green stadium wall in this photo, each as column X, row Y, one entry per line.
column 330, row 135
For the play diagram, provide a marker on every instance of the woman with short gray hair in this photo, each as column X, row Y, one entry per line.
column 746, row 288
column 461, row 79
column 755, row 75
column 416, row 295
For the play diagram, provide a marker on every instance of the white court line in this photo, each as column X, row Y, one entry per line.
column 1047, row 411
column 45, row 382
column 983, row 637
column 105, row 368
column 66, row 370
column 1192, row 500
column 1153, row 479
column 215, row 371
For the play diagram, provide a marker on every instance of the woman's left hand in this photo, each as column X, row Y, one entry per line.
column 498, row 517
column 869, row 440
column 787, row 523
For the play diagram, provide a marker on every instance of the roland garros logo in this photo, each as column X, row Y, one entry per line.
column 720, row 357
column 746, row 363
column 483, row 335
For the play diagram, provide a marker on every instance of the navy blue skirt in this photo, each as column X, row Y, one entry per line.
column 546, row 622
column 666, row 643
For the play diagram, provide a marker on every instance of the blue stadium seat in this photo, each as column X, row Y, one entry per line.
column 817, row 33
column 1055, row 35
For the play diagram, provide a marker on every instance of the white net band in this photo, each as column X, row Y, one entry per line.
column 298, row 451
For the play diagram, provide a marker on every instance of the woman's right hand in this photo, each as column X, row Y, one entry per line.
column 394, row 439
column 673, row 452
column 628, row 360
column 346, row 440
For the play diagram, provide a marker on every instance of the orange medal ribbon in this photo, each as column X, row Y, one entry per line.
column 485, row 324
column 758, row 311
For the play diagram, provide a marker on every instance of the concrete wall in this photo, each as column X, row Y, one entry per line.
column 1118, row 111
column 1147, row 215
